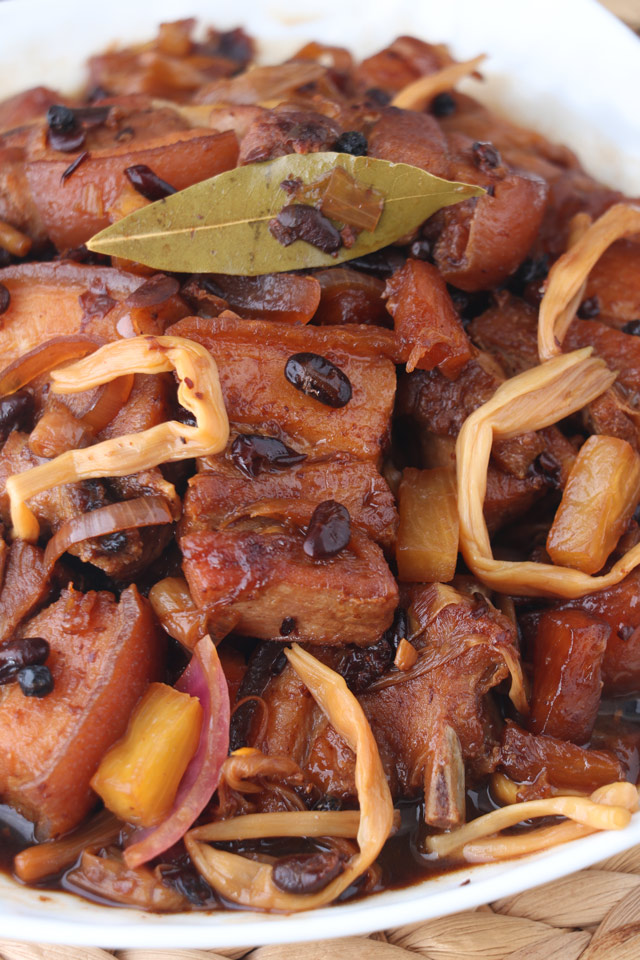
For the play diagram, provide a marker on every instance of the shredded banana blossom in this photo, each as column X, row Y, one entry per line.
column 533, row 400
column 417, row 95
column 303, row 823
column 199, row 392
column 608, row 808
column 568, row 275
column 250, row 882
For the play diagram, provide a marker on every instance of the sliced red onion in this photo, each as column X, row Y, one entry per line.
column 141, row 512
column 42, row 359
column 204, row 678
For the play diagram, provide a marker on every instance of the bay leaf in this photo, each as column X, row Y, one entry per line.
column 221, row 225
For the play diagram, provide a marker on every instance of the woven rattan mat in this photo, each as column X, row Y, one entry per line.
column 591, row 915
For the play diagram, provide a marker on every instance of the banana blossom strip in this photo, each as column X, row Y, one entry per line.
column 608, row 808
column 303, row 823
column 417, row 95
column 249, row 882
column 199, row 391
column 568, row 274
column 531, row 401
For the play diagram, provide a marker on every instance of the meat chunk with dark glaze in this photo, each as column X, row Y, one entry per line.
column 264, row 576
column 284, row 130
column 69, row 212
column 404, row 136
column 103, row 655
column 435, row 408
column 24, row 585
column 220, row 492
column 251, row 357
column 61, row 298
column 431, row 724
column 619, row 607
column 135, row 548
column 480, row 242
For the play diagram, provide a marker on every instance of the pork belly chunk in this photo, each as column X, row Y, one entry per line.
column 23, row 584
column 103, row 655
column 265, row 577
column 220, row 492
column 432, row 727
column 251, row 357
column 64, row 298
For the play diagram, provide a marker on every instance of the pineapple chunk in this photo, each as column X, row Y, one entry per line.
column 599, row 498
column 427, row 545
column 138, row 777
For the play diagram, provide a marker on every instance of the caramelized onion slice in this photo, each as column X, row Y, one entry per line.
column 174, row 607
column 249, row 882
column 199, row 391
column 569, row 272
column 267, row 84
column 126, row 515
column 42, row 359
column 13, row 240
column 531, row 401
column 609, row 808
column 111, row 399
column 420, row 93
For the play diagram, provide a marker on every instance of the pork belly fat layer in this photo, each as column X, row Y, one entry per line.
column 251, row 356
column 264, row 576
column 103, row 654
column 220, row 492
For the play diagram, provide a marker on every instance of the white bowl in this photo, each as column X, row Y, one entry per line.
column 566, row 68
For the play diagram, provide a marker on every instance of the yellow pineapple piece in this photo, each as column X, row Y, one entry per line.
column 138, row 777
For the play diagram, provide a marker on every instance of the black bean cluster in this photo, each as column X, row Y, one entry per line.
column 353, row 142
column 23, row 660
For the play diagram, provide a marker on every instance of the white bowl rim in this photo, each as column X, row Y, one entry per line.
column 40, row 916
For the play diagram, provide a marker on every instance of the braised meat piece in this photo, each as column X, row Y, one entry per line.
column 614, row 283
column 103, row 655
column 69, row 212
column 399, row 64
column 284, row 130
column 431, row 724
column 546, row 761
column 24, row 586
column 220, row 492
column 520, row 147
column 509, row 332
column 427, row 327
column 174, row 65
column 481, row 242
column 134, row 549
column 251, row 357
column 350, row 296
column 404, row 136
column 265, row 576
column 63, row 298
column 619, row 607
column 436, row 407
